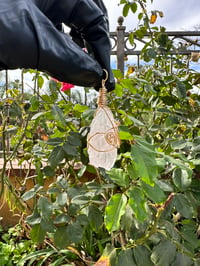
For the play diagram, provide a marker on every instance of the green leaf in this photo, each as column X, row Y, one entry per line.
column 40, row 81
column 58, row 115
column 80, row 108
column 183, row 206
column 153, row 192
column 137, row 203
column 126, row 258
column 47, row 226
column 48, row 171
column 149, row 54
column 72, row 143
column 70, row 150
column 128, row 84
column 144, row 160
column 142, row 256
column 38, row 115
column 183, row 260
column 56, row 156
column 162, row 39
column 164, row 253
column 37, row 234
column 62, row 199
column 34, row 103
column 181, row 89
column 45, row 207
column 61, row 237
column 181, row 179
column 95, row 218
column 117, row 73
column 61, row 218
column 179, row 144
column 136, row 121
column 31, row 193
column 131, row 38
column 34, row 218
column 80, row 200
column 114, row 210
column 133, row 7
column 119, row 177
column 124, row 133
column 75, row 232
column 125, row 10
column 119, row 90
column 74, row 139
column 187, row 231
column 54, row 141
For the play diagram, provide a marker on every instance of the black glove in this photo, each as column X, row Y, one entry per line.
column 94, row 36
column 30, row 39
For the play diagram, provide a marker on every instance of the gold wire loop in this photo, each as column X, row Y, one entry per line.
column 102, row 99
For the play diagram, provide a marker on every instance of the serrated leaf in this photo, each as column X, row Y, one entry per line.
column 62, row 199
column 74, row 139
column 74, row 232
column 56, row 156
column 183, row 206
column 34, row 218
column 61, row 218
column 182, row 259
column 119, row 177
column 143, row 156
column 142, row 256
column 95, row 218
column 181, row 89
column 58, row 115
column 179, row 144
column 181, row 179
column 137, row 203
column 48, row 171
column 37, row 234
column 164, row 253
column 114, row 211
column 153, row 192
column 47, row 226
column 34, row 103
column 80, row 200
column 61, row 237
column 45, row 207
column 31, row 193
column 126, row 258
column 54, row 141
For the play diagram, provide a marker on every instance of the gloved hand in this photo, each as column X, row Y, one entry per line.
column 31, row 38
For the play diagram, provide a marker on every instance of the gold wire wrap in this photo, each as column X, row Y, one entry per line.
column 102, row 99
column 111, row 135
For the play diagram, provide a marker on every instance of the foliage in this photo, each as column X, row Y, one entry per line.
column 144, row 211
column 14, row 245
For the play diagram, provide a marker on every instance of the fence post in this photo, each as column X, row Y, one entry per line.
column 120, row 44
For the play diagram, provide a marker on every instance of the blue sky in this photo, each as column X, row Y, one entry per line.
column 178, row 15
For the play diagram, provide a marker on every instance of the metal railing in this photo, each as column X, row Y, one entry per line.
column 184, row 41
